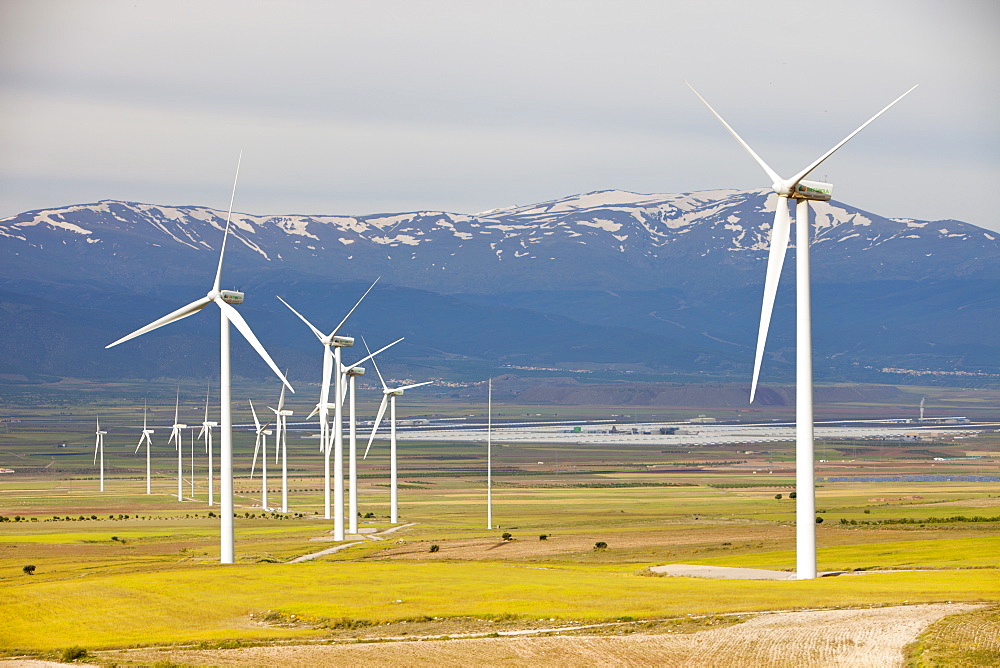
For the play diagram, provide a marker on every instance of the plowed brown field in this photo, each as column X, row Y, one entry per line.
column 869, row 637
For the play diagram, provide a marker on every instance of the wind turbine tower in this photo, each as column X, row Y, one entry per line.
column 261, row 445
column 802, row 191
column 206, row 434
column 389, row 395
column 352, row 372
column 225, row 300
column 489, row 455
column 176, row 437
column 145, row 438
column 99, row 450
column 281, row 444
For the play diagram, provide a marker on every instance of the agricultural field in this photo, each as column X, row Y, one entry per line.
column 134, row 578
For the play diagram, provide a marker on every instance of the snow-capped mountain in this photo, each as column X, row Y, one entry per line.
column 600, row 240
column 663, row 282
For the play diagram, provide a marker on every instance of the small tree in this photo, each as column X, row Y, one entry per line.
column 777, row 496
column 792, row 495
column 544, row 536
column 29, row 569
column 600, row 545
column 435, row 548
column 507, row 536
column 819, row 520
column 71, row 654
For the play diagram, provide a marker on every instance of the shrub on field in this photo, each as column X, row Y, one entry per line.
column 29, row 569
column 792, row 495
column 600, row 545
column 507, row 536
column 544, row 536
column 777, row 496
column 819, row 520
column 435, row 548
column 71, row 654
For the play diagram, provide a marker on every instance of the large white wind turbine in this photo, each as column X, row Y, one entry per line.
column 335, row 441
column 261, row 446
column 352, row 372
column 801, row 191
column 99, row 450
column 145, row 438
column 177, row 433
column 206, row 434
column 389, row 395
column 224, row 299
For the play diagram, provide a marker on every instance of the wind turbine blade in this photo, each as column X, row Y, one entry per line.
column 319, row 334
column 324, row 392
column 371, row 355
column 378, row 421
column 201, row 434
column 225, row 235
column 208, row 393
column 281, row 399
column 182, row 312
column 337, row 328
column 234, row 317
column 314, row 411
column 770, row 172
column 805, row 172
column 410, row 387
column 253, row 410
column 256, row 450
column 775, row 260
column 177, row 406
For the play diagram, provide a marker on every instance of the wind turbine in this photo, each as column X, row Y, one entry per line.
column 331, row 357
column 145, row 438
column 99, row 449
column 224, row 299
column 177, row 432
column 801, row 191
column 353, row 372
column 261, row 444
column 489, row 455
column 389, row 395
column 206, row 434
column 281, row 445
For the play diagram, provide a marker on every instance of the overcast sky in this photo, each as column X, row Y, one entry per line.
column 365, row 107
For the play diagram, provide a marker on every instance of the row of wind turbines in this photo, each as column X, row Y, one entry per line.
column 795, row 188
column 331, row 436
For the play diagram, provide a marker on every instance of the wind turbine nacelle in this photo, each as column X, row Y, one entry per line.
column 343, row 341
column 234, row 297
column 356, row 371
column 814, row 190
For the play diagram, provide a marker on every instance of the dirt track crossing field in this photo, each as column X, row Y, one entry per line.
column 856, row 638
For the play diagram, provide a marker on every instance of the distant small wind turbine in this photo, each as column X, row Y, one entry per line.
column 206, row 435
column 224, row 299
column 389, row 395
column 261, row 447
column 281, row 445
column 331, row 358
column 145, row 438
column 801, row 191
column 177, row 434
column 352, row 372
column 99, row 450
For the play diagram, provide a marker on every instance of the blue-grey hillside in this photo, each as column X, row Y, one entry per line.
column 659, row 284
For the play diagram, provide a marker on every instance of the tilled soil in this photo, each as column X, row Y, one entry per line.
column 866, row 637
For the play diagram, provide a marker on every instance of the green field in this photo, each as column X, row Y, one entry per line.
column 102, row 580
